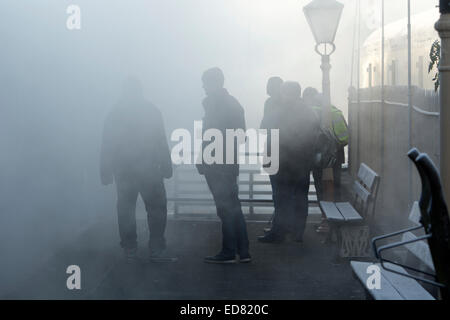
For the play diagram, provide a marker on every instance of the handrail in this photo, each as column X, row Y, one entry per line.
column 400, row 104
column 183, row 197
column 426, row 113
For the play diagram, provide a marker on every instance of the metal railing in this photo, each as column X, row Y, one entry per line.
column 189, row 189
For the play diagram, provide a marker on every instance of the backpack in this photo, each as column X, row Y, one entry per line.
column 327, row 149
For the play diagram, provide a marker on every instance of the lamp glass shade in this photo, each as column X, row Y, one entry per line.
column 323, row 17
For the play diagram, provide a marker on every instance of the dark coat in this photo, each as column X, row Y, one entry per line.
column 222, row 112
column 134, row 142
column 299, row 129
column 271, row 108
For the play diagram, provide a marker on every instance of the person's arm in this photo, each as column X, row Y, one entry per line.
column 106, row 170
column 165, row 159
column 240, row 121
column 238, row 115
column 242, row 124
column 315, row 137
column 266, row 116
column 205, row 124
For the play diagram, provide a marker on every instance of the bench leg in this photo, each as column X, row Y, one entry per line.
column 354, row 242
column 331, row 234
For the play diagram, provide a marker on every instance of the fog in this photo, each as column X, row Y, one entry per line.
column 57, row 85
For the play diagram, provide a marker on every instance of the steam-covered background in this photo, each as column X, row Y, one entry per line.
column 57, row 85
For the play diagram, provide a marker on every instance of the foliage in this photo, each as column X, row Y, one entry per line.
column 435, row 60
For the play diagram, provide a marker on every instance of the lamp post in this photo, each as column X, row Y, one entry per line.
column 323, row 17
column 443, row 27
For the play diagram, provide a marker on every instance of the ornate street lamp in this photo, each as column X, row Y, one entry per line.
column 444, row 6
column 323, row 17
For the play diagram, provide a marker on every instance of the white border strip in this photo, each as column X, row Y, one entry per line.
column 399, row 104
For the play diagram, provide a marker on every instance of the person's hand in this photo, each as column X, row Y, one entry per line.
column 167, row 172
column 200, row 169
column 106, row 179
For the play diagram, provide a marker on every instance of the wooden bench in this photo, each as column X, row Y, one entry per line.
column 395, row 286
column 189, row 193
column 349, row 220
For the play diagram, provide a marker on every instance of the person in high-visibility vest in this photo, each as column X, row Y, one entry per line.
column 312, row 98
column 340, row 130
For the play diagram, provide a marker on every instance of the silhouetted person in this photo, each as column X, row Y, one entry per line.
column 272, row 104
column 223, row 111
column 272, row 108
column 135, row 154
column 299, row 129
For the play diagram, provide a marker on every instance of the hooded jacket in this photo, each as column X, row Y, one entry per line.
column 134, row 141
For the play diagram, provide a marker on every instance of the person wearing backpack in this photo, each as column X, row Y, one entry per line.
column 332, row 144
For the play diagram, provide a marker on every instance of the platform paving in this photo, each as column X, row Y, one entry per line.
column 287, row 271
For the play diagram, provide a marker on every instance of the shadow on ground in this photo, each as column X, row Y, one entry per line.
column 287, row 271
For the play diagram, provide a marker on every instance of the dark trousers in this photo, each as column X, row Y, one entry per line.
column 225, row 191
column 273, row 183
column 337, row 169
column 153, row 194
column 291, row 202
column 317, row 175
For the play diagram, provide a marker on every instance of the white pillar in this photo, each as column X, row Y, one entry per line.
column 327, row 175
column 326, row 91
column 443, row 27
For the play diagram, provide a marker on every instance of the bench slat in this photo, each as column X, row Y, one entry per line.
column 415, row 215
column 331, row 211
column 361, row 192
column 408, row 288
column 386, row 292
column 367, row 176
column 419, row 249
column 348, row 212
column 393, row 286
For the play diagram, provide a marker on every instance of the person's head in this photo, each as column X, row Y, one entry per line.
column 132, row 88
column 291, row 92
column 213, row 80
column 311, row 97
column 274, row 86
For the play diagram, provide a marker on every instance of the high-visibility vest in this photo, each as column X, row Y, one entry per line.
column 338, row 123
